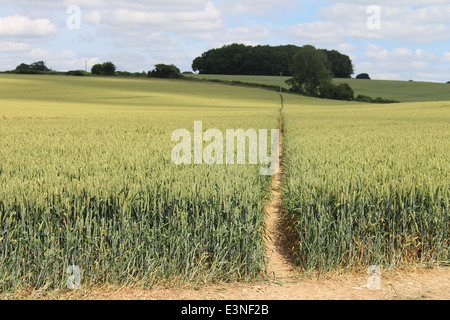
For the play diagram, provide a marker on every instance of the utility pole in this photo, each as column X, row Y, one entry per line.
column 85, row 65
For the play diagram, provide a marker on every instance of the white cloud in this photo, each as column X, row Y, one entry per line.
column 21, row 26
column 38, row 54
column 14, row 47
column 345, row 47
column 254, row 7
column 93, row 17
column 446, row 57
column 121, row 21
column 397, row 2
column 402, row 24
column 391, row 11
column 60, row 60
column 375, row 52
column 402, row 64
column 250, row 35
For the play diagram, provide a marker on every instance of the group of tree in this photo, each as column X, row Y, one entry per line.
column 165, row 71
column 364, row 98
column 101, row 69
column 239, row 59
column 104, row 69
column 313, row 76
column 363, row 76
column 34, row 68
column 127, row 74
column 160, row 71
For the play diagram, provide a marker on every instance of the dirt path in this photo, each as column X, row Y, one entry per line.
column 280, row 242
column 412, row 285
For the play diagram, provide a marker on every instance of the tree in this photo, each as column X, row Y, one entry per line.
column 33, row 68
column 109, row 69
column 105, row 69
column 364, row 98
column 342, row 91
column 22, row 68
column 263, row 60
column 78, row 73
column 165, row 71
column 363, row 76
column 97, row 69
column 310, row 70
column 340, row 64
column 39, row 66
column 246, row 60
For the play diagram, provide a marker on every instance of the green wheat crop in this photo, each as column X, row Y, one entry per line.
column 86, row 179
column 368, row 184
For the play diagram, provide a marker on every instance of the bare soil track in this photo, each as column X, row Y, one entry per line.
column 412, row 285
column 281, row 238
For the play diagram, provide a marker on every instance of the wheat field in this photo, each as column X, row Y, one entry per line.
column 87, row 180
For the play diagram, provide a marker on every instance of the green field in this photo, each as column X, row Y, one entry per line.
column 86, row 179
column 403, row 91
column 368, row 185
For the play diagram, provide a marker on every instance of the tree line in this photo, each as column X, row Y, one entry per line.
column 101, row 69
column 311, row 70
column 239, row 59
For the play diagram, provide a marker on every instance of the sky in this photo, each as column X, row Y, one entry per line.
column 388, row 39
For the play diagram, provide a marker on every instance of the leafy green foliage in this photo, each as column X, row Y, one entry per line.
column 239, row 59
column 131, row 74
column 105, row 69
column 340, row 65
column 34, row 68
column 165, row 71
column 342, row 91
column 364, row 98
column 78, row 73
column 311, row 72
column 364, row 76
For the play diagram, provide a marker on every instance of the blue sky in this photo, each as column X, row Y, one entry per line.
column 396, row 40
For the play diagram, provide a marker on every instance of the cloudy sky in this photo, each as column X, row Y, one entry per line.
column 398, row 40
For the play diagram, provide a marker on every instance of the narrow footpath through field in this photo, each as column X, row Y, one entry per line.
column 280, row 242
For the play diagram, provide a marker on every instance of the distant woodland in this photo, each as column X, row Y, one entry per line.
column 239, row 59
